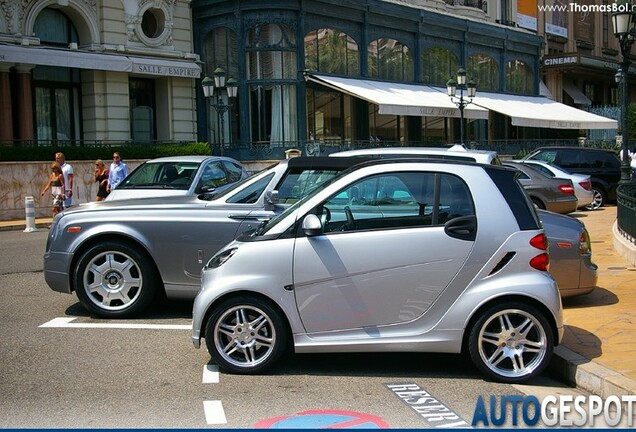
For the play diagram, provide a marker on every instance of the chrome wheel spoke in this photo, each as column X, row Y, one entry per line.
column 244, row 336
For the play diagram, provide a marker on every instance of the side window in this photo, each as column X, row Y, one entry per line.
column 547, row 156
column 234, row 171
column 396, row 200
column 251, row 193
column 569, row 159
column 455, row 199
column 606, row 160
column 212, row 177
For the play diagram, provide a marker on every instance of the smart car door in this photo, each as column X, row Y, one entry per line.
column 375, row 266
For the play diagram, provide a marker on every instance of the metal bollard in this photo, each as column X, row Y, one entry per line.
column 29, row 208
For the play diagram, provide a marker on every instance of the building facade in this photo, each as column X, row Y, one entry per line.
column 270, row 48
column 581, row 55
column 83, row 71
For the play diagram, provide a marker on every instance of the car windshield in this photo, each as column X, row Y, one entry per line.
column 161, row 175
column 268, row 225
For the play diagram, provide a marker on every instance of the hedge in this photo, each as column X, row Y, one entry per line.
column 45, row 153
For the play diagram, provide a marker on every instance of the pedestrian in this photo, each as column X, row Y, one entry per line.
column 56, row 184
column 67, row 171
column 117, row 172
column 101, row 177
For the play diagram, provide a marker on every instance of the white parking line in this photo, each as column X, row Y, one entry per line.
column 210, row 374
column 65, row 322
column 214, row 413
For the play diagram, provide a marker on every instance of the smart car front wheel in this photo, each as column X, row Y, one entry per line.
column 511, row 342
column 245, row 336
column 115, row 280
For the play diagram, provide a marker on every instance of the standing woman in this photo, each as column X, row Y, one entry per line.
column 101, row 177
column 56, row 184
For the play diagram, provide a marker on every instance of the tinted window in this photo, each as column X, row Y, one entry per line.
column 516, row 198
column 251, row 193
column 176, row 175
column 234, row 172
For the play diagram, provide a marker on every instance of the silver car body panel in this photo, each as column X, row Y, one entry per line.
column 180, row 234
column 338, row 293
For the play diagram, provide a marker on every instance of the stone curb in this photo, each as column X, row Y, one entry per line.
column 589, row 375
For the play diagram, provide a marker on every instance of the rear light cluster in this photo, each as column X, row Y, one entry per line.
column 567, row 189
column 587, row 185
column 585, row 246
column 542, row 261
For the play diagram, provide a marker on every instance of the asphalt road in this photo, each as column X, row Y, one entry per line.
column 60, row 368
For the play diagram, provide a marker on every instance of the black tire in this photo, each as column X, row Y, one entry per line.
column 114, row 280
column 245, row 335
column 599, row 199
column 511, row 342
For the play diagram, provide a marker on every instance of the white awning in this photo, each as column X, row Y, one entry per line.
column 64, row 58
column 577, row 95
column 537, row 111
column 400, row 98
column 97, row 61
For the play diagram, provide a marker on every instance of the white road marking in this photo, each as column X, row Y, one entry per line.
column 210, row 374
column 66, row 322
column 214, row 413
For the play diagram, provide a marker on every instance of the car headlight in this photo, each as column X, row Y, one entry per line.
column 219, row 259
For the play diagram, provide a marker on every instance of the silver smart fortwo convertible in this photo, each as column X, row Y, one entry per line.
column 389, row 256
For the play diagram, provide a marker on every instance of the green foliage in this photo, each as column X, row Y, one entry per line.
column 45, row 153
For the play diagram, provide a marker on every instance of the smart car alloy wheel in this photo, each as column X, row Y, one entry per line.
column 245, row 336
column 511, row 342
column 114, row 280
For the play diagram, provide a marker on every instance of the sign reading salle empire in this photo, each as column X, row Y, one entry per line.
column 167, row 70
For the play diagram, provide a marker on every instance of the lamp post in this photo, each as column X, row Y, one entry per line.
column 215, row 98
column 624, row 31
column 470, row 88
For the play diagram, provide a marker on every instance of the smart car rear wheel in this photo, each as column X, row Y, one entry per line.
column 511, row 342
column 115, row 280
column 245, row 335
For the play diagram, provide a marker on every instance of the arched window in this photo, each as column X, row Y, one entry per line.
column 438, row 66
column 519, row 78
column 390, row 60
column 220, row 50
column 331, row 51
column 56, row 89
column 272, row 71
column 484, row 70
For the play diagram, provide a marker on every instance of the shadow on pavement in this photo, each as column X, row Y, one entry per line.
column 598, row 297
column 582, row 342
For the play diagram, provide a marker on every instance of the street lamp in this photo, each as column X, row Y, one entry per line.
column 624, row 31
column 470, row 88
column 216, row 99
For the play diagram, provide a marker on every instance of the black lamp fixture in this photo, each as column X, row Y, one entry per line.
column 470, row 88
column 623, row 20
column 216, row 100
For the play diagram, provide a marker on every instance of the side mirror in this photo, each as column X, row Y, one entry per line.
column 312, row 225
column 271, row 198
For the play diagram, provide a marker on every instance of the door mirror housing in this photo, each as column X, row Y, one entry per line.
column 271, row 199
column 312, row 225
